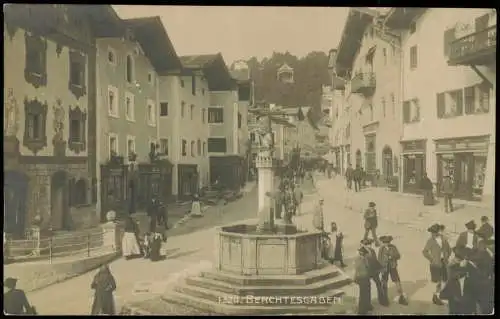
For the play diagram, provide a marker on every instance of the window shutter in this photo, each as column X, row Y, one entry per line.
column 469, row 93
column 460, row 102
column 406, row 112
column 440, row 105
column 449, row 37
column 416, row 103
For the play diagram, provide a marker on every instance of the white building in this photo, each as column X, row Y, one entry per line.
column 449, row 91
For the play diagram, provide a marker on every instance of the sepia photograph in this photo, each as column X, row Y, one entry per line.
column 186, row 160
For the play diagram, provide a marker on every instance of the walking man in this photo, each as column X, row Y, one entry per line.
column 298, row 196
column 349, row 175
column 469, row 238
column 15, row 301
column 362, row 278
column 447, row 190
column 388, row 256
column 371, row 222
column 374, row 268
column 357, row 176
column 437, row 251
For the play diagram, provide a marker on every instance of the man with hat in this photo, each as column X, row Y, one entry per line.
column 362, row 278
column 437, row 251
column 486, row 231
column 374, row 269
column 459, row 289
column 318, row 217
column 469, row 237
column 484, row 260
column 371, row 222
column 388, row 256
column 447, row 190
column 15, row 301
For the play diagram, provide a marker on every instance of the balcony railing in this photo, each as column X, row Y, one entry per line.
column 363, row 83
column 478, row 48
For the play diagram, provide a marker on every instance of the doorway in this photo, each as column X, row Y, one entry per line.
column 387, row 164
column 59, row 201
column 15, row 197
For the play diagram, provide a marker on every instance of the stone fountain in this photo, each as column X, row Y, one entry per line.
column 266, row 268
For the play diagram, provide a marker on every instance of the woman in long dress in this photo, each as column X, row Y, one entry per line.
column 104, row 284
column 427, row 187
column 130, row 243
column 196, row 206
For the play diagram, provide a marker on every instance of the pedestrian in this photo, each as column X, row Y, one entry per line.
column 318, row 217
column 326, row 244
column 146, row 245
column 337, row 252
column 468, row 238
column 388, row 256
column 457, row 290
column 371, row 222
column 104, row 285
column 362, row 279
column 447, row 190
column 155, row 246
column 196, row 206
column 278, row 204
column 357, row 176
column 349, row 176
column 427, row 187
column 484, row 260
column 15, row 301
column 362, row 177
column 298, row 196
column 130, row 243
column 374, row 269
column 437, row 251
column 486, row 231
column 152, row 211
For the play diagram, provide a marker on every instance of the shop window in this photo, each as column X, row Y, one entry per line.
column 77, row 122
column 35, row 70
column 35, row 135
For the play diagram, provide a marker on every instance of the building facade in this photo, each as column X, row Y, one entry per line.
column 49, row 115
column 370, row 60
column 449, row 120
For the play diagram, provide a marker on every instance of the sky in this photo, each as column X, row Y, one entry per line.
column 243, row 32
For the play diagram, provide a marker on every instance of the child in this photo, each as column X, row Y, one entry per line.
column 337, row 250
column 388, row 256
column 371, row 222
column 155, row 247
column 146, row 245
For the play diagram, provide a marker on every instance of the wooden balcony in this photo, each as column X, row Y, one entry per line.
column 478, row 48
column 364, row 83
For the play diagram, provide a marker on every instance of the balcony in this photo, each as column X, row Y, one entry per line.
column 364, row 83
column 478, row 48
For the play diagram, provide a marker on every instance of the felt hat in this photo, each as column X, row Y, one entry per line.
column 10, row 282
column 366, row 241
column 363, row 251
column 386, row 239
column 434, row 229
column 442, row 227
column 471, row 225
column 371, row 204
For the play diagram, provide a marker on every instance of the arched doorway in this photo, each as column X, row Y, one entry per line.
column 359, row 159
column 15, row 198
column 59, row 201
column 387, row 164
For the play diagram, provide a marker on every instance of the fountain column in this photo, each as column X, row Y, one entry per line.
column 264, row 163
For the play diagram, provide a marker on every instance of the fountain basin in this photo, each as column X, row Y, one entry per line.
column 242, row 250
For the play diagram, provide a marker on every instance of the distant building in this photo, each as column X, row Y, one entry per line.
column 285, row 74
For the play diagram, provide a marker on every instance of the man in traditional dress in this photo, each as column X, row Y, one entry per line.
column 447, row 190
column 371, row 222
column 437, row 251
column 486, row 231
column 468, row 238
column 388, row 256
column 362, row 278
column 374, row 268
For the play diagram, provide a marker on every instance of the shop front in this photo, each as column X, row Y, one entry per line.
column 414, row 165
column 187, row 180
column 227, row 170
column 464, row 160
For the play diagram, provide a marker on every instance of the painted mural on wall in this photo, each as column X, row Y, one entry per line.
column 11, row 114
column 58, row 123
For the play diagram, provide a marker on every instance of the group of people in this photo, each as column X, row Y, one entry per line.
column 467, row 280
column 288, row 199
column 355, row 175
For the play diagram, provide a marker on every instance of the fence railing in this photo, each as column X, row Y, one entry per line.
column 83, row 243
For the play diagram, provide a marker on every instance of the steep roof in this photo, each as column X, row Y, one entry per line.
column 214, row 68
column 285, row 67
column 401, row 18
column 153, row 38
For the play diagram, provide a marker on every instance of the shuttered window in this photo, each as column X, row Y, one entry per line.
column 469, row 93
column 217, row 145
column 441, row 108
column 449, row 37
column 413, row 57
column 458, row 99
column 406, row 111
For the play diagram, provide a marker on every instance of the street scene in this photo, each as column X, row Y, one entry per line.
column 156, row 168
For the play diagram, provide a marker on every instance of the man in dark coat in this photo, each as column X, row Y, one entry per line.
column 371, row 222
column 15, row 301
column 349, row 175
column 447, row 190
column 153, row 212
column 468, row 238
column 486, row 231
column 338, row 252
column 427, row 187
column 362, row 278
column 374, row 268
column 483, row 258
column 357, row 176
column 437, row 251
column 388, row 256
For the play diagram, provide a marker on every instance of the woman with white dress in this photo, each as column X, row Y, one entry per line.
column 196, row 206
column 130, row 243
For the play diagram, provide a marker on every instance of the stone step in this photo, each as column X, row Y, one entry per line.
column 311, row 289
column 227, row 308
column 326, row 272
